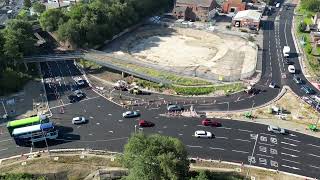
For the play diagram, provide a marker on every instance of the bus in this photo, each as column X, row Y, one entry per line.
column 26, row 122
column 34, row 133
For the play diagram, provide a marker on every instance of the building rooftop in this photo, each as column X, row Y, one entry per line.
column 203, row 3
column 248, row 14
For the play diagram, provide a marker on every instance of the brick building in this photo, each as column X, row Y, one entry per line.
column 194, row 9
column 233, row 6
column 248, row 19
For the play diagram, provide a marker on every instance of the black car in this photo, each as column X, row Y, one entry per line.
column 73, row 98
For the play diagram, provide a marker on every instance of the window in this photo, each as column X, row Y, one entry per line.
column 232, row 9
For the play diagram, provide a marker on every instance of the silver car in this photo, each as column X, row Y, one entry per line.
column 277, row 130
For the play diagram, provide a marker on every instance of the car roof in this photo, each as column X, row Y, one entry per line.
column 201, row 132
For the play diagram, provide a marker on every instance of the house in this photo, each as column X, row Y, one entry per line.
column 248, row 18
column 192, row 10
column 316, row 20
column 233, row 6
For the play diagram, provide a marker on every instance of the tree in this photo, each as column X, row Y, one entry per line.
column 70, row 31
column 18, row 40
column 38, row 7
column 51, row 19
column 302, row 26
column 311, row 5
column 201, row 176
column 23, row 15
column 27, row 3
column 155, row 157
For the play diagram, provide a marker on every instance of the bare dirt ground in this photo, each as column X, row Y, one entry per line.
column 220, row 54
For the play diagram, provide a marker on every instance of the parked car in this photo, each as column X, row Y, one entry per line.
column 143, row 123
column 272, row 85
column 73, row 98
column 307, row 89
column 297, row 79
column 81, row 82
column 79, row 120
column 174, row 107
column 130, row 114
column 79, row 93
column 277, row 130
column 209, row 122
column 291, row 69
column 203, row 134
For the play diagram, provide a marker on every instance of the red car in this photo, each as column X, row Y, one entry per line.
column 209, row 122
column 143, row 123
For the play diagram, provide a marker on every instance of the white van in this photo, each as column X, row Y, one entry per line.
column 277, row 5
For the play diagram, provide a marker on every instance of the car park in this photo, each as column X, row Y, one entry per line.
column 144, row 123
column 297, row 79
column 291, row 69
column 174, row 107
column 210, row 122
column 130, row 114
column 277, row 130
column 203, row 134
column 307, row 89
column 79, row 120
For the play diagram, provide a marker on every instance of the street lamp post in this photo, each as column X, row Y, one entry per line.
column 135, row 128
column 228, row 107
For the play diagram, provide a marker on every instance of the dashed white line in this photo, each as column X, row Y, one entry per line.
column 194, row 146
column 5, row 140
column 264, row 155
column 224, row 127
column 292, row 140
column 221, row 137
column 268, row 134
column 291, row 167
column 314, row 145
column 290, row 161
column 290, row 149
column 244, row 152
column 4, row 149
column 217, row 148
column 314, row 166
column 288, row 143
column 244, row 140
column 244, row 130
column 313, row 155
column 292, row 135
column 289, row 154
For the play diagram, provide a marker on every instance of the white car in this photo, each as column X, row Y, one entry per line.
column 277, row 130
column 272, row 85
column 203, row 134
column 79, row 93
column 291, row 69
column 130, row 114
column 78, row 120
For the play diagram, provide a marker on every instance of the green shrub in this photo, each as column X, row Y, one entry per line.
column 12, row 81
column 302, row 26
column 308, row 48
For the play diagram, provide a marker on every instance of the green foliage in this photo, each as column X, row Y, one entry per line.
column 155, row 157
column 311, row 5
column 51, row 19
column 201, row 176
column 27, row 4
column 308, row 48
column 91, row 24
column 18, row 40
column 302, row 26
column 38, row 7
column 12, row 81
column 23, row 15
column 20, row 176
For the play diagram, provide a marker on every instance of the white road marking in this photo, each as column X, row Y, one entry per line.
column 244, row 140
column 72, row 103
column 109, row 114
column 293, row 135
column 221, row 137
column 185, row 125
column 268, row 134
column 264, row 155
column 314, row 145
column 194, row 146
column 244, row 152
column 314, row 166
column 290, row 161
column 217, row 148
column 180, row 134
column 289, row 155
column 91, row 117
column 110, row 131
column 5, row 140
column 4, row 149
column 224, row 127
column 265, row 144
column 292, row 139
column 245, row 130
column 290, row 149
column 314, row 155
column 120, row 120
column 201, row 125
column 290, row 167
column 88, row 134
column 97, row 123
column 288, row 143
